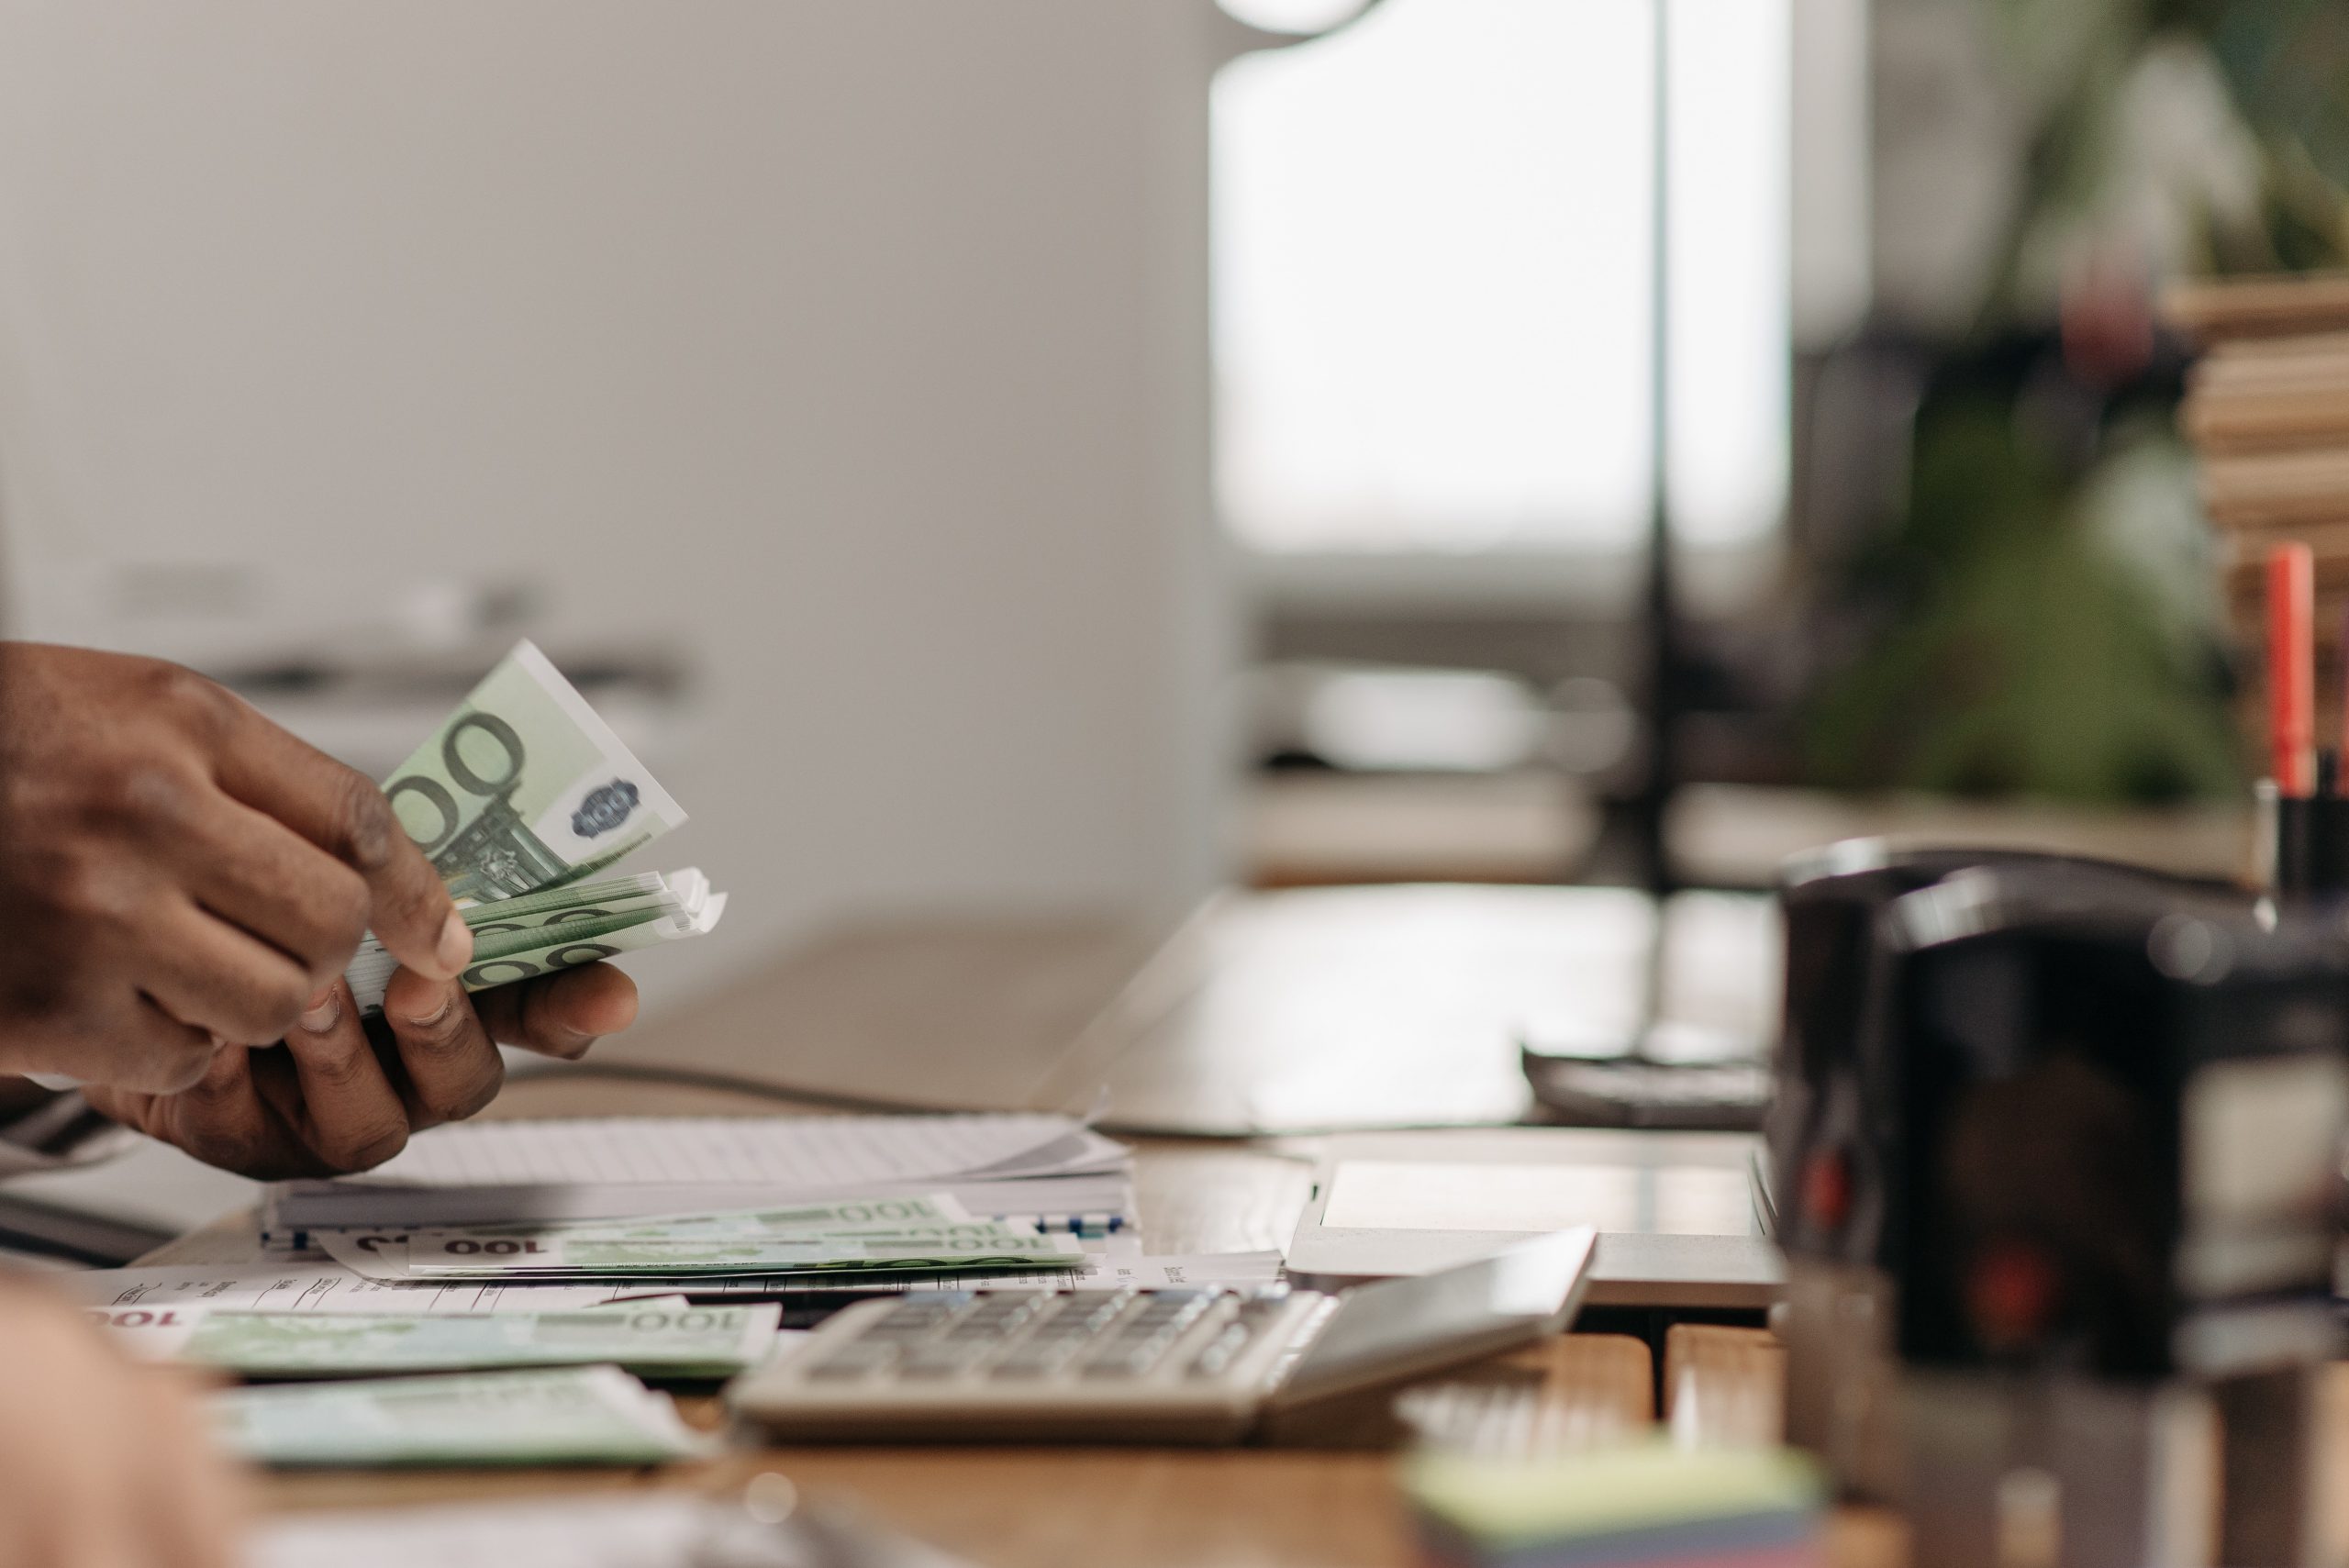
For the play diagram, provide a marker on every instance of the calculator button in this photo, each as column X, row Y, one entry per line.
column 915, row 1317
column 995, row 1323
column 857, row 1359
column 943, row 1359
column 1219, row 1353
column 1033, row 1359
column 1125, row 1364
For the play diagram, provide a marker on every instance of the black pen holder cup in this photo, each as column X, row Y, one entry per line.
column 2303, row 844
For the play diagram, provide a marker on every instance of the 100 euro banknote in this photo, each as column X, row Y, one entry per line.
column 977, row 1245
column 562, row 1416
column 667, row 1340
column 524, row 787
column 522, row 799
column 561, row 933
column 831, row 1217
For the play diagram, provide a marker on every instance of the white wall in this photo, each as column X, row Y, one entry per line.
column 857, row 345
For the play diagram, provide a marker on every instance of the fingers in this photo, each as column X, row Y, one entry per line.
column 560, row 1015
column 154, row 1051
column 352, row 1119
column 207, row 974
column 345, row 814
column 132, row 1107
column 195, row 1502
column 259, row 875
column 452, row 1068
column 220, row 1120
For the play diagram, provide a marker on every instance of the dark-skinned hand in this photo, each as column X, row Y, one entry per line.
column 177, row 872
column 340, row 1095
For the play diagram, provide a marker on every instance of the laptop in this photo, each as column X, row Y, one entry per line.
column 1683, row 1218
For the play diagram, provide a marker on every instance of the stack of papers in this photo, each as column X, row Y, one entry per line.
column 724, row 1205
column 850, row 1240
column 546, row 1261
column 1052, row 1169
column 2266, row 412
column 1649, row 1505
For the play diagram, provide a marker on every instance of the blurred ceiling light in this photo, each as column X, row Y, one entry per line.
column 1428, row 720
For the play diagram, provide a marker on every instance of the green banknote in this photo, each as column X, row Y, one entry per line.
column 522, row 799
column 556, row 902
column 846, row 1216
column 589, row 1414
column 524, row 787
column 518, row 955
column 650, row 1341
column 432, row 1256
column 561, row 935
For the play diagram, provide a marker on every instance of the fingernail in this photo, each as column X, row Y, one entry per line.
column 456, row 944
column 323, row 1010
column 425, row 1021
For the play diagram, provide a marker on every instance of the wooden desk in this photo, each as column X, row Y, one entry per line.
column 1073, row 1508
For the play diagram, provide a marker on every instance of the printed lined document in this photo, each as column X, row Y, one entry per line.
column 325, row 1287
column 620, row 1167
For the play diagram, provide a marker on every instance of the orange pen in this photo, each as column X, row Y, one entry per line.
column 2291, row 668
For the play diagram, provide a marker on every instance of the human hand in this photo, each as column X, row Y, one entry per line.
column 339, row 1096
column 102, row 1462
column 177, row 871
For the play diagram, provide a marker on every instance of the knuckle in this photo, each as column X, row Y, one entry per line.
column 234, row 1144
column 365, row 1145
column 470, row 1097
column 369, row 832
column 345, row 915
column 178, row 1069
column 146, row 794
column 223, row 1102
column 449, row 1035
column 87, row 889
column 337, row 1069
column 272, row 1005
column 201, row 704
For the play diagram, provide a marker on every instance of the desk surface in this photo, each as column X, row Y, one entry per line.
column 1014, row 1507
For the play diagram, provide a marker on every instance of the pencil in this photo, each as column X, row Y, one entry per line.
column 2291, row 668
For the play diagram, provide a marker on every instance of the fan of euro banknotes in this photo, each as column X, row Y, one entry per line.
column 524, row 800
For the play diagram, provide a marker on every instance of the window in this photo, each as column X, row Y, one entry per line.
column 1433, row 275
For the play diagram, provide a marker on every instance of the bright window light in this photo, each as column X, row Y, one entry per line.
column 1433, row 271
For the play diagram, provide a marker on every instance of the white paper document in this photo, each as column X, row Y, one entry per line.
column 614, row 1167
column 153, row 1309
column 1237, row 1271
column 656, row 1531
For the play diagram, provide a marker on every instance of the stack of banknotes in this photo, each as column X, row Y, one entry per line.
column 549, row 1415
column 523, row 800
column 838, row 1243
column 661, row 1339
column 555, row 1386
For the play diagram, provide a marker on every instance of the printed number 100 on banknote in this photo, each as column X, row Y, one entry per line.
column 524, row 787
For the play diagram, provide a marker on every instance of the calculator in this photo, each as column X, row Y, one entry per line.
column 1192, row 1366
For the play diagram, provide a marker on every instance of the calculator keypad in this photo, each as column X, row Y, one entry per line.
column 1016, row 1337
